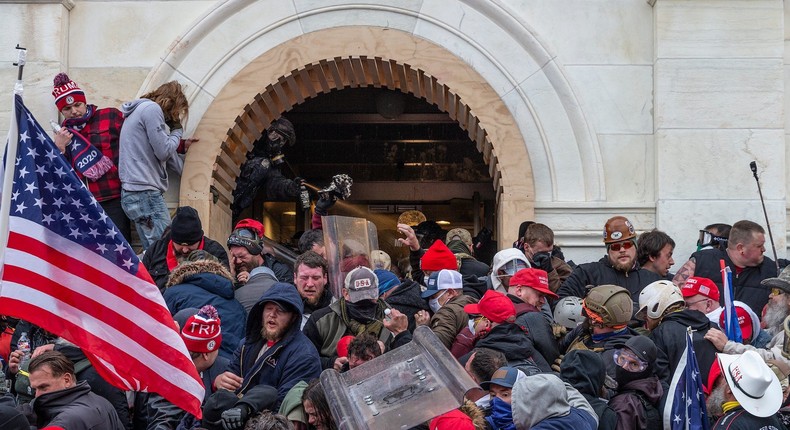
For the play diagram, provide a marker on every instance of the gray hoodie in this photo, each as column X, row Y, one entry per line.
column 542, row 396
column 146, row 148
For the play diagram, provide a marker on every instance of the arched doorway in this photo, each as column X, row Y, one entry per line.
column 440, row 174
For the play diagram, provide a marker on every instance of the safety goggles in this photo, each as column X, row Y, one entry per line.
column 628, row 361
column 621, row 245
column 511, row 267
column 707, row 238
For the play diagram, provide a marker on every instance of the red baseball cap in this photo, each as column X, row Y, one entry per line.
column 713, row 375
column 695, row 285
column 342, row 345
column 744, row 320
column 536, row 279
column 495, row 306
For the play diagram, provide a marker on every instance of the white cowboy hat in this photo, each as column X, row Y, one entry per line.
column 752, row 382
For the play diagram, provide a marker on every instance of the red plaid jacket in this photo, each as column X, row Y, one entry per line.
column 103, row 130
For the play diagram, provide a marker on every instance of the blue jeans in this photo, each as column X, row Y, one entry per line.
column 148, row 211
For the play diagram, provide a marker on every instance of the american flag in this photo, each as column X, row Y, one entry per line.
column 731, row 326
column 685, row 404
column 68, row 269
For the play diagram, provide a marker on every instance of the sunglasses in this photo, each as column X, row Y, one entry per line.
column 776, row 291
column 622, row 245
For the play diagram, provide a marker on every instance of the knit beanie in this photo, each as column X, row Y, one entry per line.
column 202, row 331
column 66, row 91
column 387, row 280
column 438, row 257
column 186, row 229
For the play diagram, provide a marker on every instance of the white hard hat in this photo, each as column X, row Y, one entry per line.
column 568, row 312
column 656, row 297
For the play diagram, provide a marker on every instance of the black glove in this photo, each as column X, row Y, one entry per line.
column 322, row 205
column 174, row 124
column 542, row 261
column 235, row 418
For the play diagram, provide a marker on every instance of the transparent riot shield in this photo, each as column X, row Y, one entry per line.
column 348, row 243
column 400, row 389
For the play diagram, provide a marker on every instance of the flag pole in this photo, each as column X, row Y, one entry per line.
column 10, row 150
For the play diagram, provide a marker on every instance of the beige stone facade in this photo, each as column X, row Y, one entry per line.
column 582, row 108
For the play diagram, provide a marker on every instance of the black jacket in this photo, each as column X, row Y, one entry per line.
column 538, row 329
column 282, row 271
column 602, row 272
column 511, row 340
column 631, row 412
column 581, row 338
column 586, row 371
column 76, row 408
column 670, row 339
column 155, row 258
column 406, row 299
column 115, row 396
column 739, row 419
column 745, row 285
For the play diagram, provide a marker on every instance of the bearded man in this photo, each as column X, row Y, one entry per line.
column 619, row 266
column 775, row 320
column 274, row 351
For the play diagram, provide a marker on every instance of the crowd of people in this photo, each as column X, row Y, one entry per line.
column 551, row 344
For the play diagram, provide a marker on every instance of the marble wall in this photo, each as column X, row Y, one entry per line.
column 652, row 111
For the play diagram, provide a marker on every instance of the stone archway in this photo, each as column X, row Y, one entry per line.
column 338, row 74
column 506, row 75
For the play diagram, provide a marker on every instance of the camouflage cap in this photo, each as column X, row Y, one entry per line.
column 782, row 281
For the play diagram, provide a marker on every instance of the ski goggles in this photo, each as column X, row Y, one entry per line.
column 511, row 267
column 707, row 238
column 629, row 361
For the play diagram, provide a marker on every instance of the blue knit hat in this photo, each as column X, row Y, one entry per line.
column 387, row 280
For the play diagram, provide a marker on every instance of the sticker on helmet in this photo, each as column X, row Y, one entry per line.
column 617, row 235
column 630, row 226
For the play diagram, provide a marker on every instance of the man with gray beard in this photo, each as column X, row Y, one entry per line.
column 775, row 319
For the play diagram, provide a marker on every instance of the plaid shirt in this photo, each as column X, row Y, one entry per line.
column 102, row 131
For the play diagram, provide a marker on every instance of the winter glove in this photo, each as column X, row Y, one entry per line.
column 554, row 366
column 234, row 418
column 542, row 260
column 558, row 330
column 322, row 205
column 174, row 124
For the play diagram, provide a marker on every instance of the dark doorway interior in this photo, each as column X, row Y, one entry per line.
column 402, row 152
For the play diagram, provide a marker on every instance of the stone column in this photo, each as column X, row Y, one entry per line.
column 719, row 104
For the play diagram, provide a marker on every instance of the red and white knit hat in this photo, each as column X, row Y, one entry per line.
column 66, row 91
column 202, row 331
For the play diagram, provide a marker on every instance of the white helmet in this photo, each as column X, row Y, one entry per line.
column 568, row 312
column 656, row 297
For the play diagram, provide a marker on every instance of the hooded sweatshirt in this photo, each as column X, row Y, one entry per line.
column 146, row 147
column 500, row 258
column 556, row 409
column 288, row 361
column 586, row 371
column 670, row 339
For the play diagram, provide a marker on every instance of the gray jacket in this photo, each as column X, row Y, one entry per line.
column 146, row 147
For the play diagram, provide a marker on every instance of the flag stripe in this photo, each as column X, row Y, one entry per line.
column 90, row 310
column 148, row 365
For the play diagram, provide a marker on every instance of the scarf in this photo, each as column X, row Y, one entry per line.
column 501, row 417
column 363, row 319
column 171, row 259
column 85, row 158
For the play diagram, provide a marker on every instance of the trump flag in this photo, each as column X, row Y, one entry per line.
column 67, row 269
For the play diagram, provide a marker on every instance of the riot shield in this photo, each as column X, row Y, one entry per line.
column 348, row 243
column 400, row 389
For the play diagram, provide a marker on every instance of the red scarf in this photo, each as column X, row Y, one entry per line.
column 172, row 261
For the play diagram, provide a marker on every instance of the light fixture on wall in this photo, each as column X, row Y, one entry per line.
column 289, row 213
column 390, row 104
column 443, row 222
